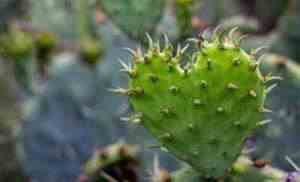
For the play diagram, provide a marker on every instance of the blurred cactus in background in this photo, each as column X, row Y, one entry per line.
column 266, row 12
column 17, row 47
column 284, row 102
column 135, row 17
column 10, row 115
column 184, row 17
column 289, row 40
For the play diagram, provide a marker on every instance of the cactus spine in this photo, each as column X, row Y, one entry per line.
column 201, row 113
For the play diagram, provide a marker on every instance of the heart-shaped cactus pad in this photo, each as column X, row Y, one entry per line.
column 204, row 111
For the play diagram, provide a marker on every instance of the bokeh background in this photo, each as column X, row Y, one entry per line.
column 59, row 58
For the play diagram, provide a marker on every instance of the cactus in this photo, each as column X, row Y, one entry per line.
column 141, row 15
column 117, row 161
column 197, row 115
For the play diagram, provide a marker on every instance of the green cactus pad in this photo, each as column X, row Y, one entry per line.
column 134, row 17
column 201, row 113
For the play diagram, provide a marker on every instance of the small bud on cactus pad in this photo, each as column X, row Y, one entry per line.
column 201, row 113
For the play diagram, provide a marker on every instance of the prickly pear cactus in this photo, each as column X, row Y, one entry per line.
column 141, row 15
column 203, row 112
column 118, row 161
